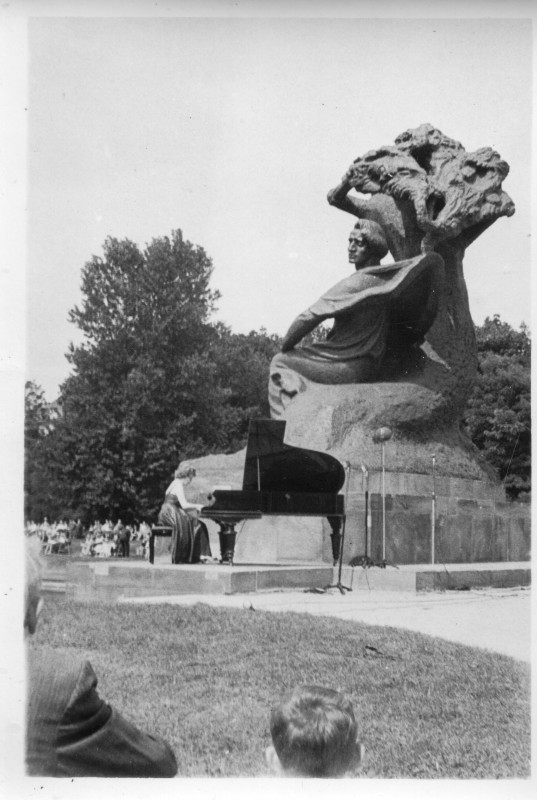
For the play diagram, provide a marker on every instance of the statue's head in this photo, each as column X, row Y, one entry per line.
column 367, row 243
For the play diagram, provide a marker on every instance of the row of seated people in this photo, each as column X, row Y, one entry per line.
column 101, row 539
column 108, row 540
column 55, row 537
column 45, row 529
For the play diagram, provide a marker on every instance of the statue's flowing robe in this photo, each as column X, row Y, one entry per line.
column 371, row 309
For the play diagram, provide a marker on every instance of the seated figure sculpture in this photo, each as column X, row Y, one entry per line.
column 380, row 310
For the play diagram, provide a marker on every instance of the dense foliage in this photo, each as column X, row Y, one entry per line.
column 153, row 383
column 40, row 495
column 498, row 418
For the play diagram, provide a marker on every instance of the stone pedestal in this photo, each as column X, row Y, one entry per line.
column 342, row 420
column 473, row 521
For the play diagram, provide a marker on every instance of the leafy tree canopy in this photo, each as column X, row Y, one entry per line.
column 154, row 381
column 39, row 420
column 498, row 417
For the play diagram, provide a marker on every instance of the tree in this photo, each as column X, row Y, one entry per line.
column 498, row 417
column 242, row 363
column 39, row 421
column 154, row 381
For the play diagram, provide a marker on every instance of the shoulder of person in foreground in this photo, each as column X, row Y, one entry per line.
column 95, row 738
column 92, row 739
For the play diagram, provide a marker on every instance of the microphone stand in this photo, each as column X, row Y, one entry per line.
column 366, row 561
column 339, row 585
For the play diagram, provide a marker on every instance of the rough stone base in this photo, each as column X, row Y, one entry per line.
column 342, row 421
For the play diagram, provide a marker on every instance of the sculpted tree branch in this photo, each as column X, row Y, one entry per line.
column 443, row 191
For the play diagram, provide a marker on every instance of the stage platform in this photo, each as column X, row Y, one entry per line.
column 109, row 581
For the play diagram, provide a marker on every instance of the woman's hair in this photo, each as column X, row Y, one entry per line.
column 185, row 471
column 374, row 236
column 314, row 732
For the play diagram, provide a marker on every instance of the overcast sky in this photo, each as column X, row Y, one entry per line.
column 234, row 130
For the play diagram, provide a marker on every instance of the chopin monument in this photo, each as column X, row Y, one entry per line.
column 401, row 352
column 383, row 393
column 384, row 388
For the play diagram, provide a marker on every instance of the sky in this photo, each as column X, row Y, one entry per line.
column 233, row 130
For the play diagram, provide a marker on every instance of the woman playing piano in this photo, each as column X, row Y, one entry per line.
column 174, row 513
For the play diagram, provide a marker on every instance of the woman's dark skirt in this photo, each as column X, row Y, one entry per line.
column 189, row 541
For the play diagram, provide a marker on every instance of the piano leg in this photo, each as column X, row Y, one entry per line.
column 335, row 537
column 227, row 537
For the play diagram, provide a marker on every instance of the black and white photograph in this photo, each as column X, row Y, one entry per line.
column 265, row 372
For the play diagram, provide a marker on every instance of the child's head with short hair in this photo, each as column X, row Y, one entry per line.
column 314, row 734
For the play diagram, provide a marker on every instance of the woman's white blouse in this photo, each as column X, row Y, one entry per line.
column 176, row 488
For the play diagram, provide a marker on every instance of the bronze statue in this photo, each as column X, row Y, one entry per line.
column 378, row 311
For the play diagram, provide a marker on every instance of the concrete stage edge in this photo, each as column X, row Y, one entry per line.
column 110, row 581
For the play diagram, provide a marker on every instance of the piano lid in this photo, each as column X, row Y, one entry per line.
column 273, row 466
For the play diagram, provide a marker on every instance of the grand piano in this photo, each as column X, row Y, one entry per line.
column 279, row 480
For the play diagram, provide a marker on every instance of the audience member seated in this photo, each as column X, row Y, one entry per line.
column 87, row 546
column 70, row 731
column 52, row 542
column 145, row 533
column 64, row 543
column 314, row 735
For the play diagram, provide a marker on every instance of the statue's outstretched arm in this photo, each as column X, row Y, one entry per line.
column 339, row 197
column 302, row 325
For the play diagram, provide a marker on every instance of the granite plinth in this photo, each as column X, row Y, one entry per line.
column 473, row 521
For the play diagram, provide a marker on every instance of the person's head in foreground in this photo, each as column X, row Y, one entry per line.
column 314, row 734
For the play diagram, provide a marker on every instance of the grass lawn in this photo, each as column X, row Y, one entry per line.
column 205, row 679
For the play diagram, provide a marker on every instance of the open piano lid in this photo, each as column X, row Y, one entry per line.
column 273, row 466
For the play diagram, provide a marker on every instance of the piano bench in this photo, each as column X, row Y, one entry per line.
column 157, row 530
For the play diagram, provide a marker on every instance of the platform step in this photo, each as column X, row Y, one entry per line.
column 110, row 581
column 53, row 586
column 438, row 577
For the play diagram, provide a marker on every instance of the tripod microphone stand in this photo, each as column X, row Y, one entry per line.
column 339, row 584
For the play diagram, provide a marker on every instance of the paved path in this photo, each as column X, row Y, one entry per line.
column 494, row 619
